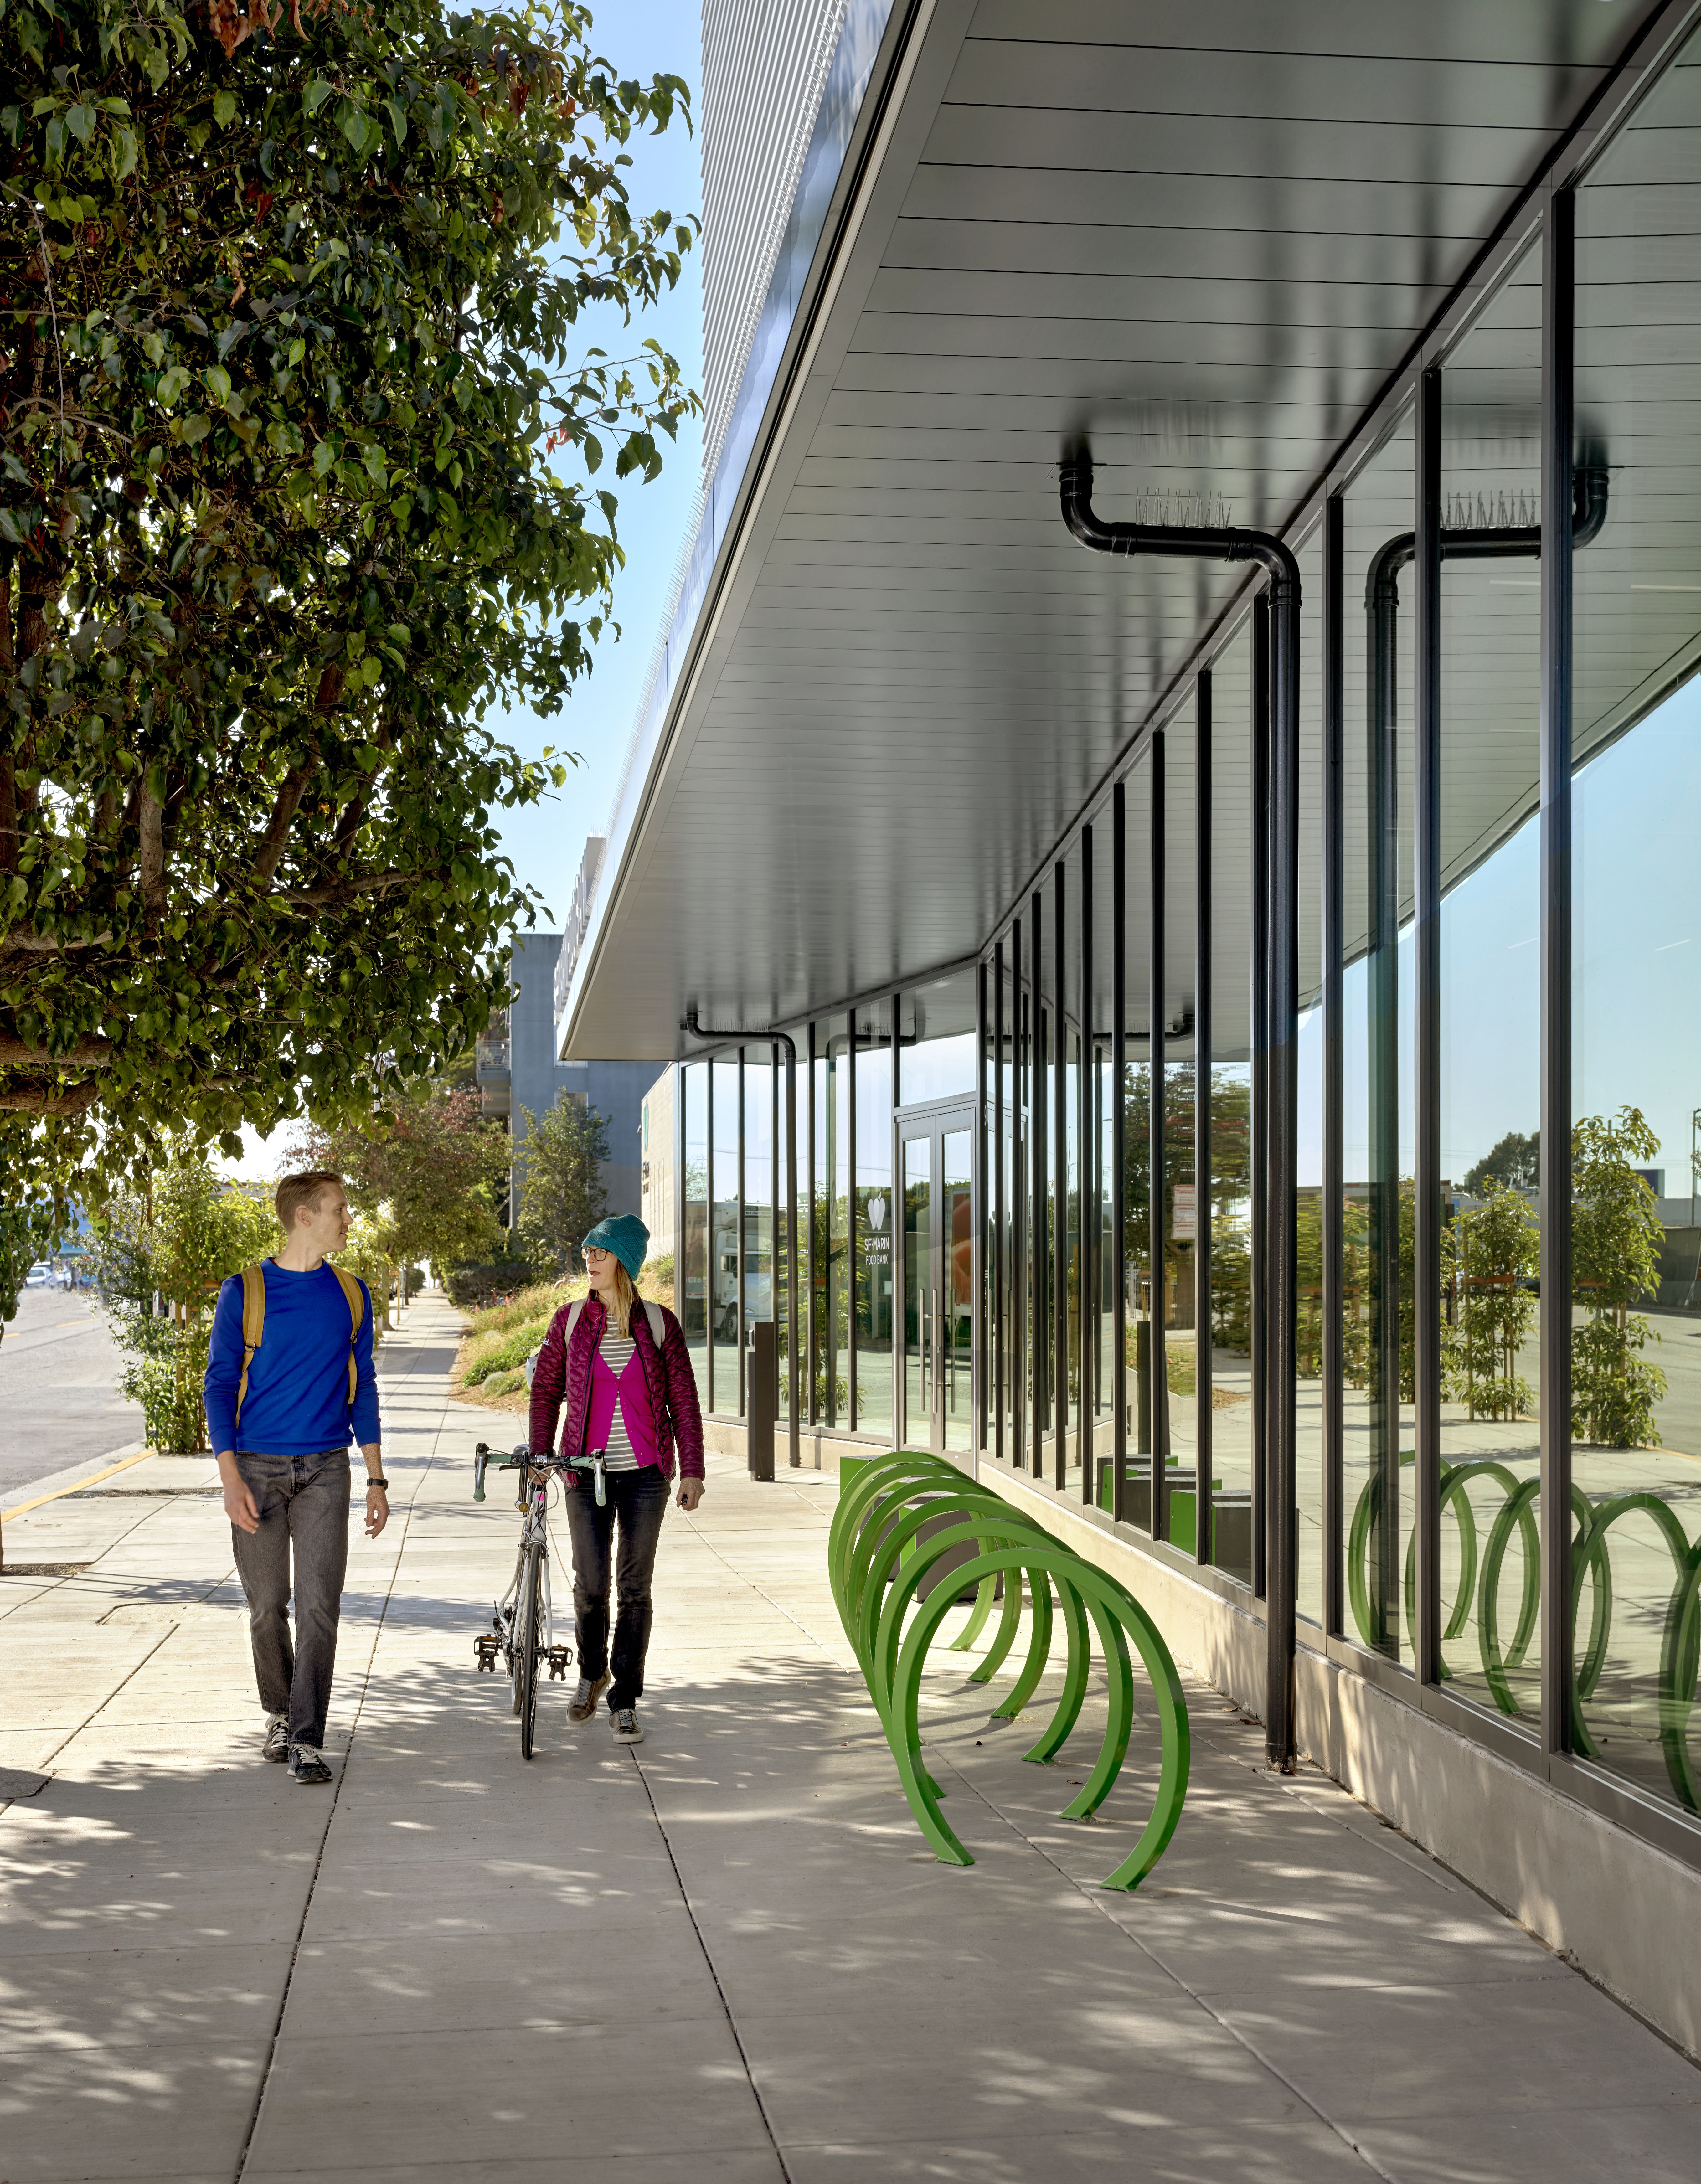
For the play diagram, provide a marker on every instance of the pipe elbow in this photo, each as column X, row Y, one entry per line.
column 1589, row 490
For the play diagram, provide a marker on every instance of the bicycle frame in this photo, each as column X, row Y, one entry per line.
column 534, row 1498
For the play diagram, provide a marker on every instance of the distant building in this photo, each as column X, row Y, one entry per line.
column 518, row 1074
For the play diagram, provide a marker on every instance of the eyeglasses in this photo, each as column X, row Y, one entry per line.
column 595, row 1251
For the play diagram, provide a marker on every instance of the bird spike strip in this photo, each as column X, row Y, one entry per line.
column 896, row 1517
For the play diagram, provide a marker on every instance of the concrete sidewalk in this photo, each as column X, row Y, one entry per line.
column 725, row 1955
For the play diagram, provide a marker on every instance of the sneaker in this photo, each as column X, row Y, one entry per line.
column 307, row 1764
column 277, row 1745
column 583, row 1704
column 624, row 1722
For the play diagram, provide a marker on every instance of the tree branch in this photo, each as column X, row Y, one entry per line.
column 153, row 818
column 21, row 940
column 283, row 811
column 342, row 890
column 82, row 1054
column 36, row 1100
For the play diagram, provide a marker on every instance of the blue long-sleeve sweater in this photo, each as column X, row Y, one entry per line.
column 298, row 1396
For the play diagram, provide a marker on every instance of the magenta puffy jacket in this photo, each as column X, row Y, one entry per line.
column 563, row 1377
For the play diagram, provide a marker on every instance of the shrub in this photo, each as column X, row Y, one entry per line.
column 471, row 1287
column 501, row 1353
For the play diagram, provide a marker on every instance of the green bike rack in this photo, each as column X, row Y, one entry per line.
column 899, row 1516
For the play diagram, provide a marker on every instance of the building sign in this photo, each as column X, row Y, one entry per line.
column 1184, row 1227
column 875, row 1243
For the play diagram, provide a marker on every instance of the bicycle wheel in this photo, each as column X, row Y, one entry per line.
column 527, row 1638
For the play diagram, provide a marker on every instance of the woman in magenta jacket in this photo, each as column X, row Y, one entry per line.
column 635, row 1400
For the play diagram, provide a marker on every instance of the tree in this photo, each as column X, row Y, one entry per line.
column 1616, row 1234
column 286, row 343
column 425, row 1173
column 561, row 1193
column 1515, row 1164
column 1492, row 1251
column 175, row 1240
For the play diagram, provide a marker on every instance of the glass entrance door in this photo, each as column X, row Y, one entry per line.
column 936, row 1161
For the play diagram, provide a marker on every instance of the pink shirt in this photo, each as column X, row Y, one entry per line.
column 631, row 1393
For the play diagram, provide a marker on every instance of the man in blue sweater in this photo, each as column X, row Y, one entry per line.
column 282, row 1446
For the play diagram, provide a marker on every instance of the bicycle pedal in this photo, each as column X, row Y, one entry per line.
column 486, row 1647
column 560, row 1658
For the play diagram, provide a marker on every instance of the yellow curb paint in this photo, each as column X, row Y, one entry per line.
column 93, row 1480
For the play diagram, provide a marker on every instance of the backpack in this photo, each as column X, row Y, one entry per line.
column 254, row 1323
column 652, row 1312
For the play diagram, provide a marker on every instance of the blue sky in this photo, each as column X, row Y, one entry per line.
column 546, row 842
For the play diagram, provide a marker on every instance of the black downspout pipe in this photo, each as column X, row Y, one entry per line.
column 1278, row 1022
column 1589, row 495
column 793, row 1438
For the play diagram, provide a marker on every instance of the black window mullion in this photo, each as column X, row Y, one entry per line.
column 1202, row 1540
column 1038, row 1228
column 1259, row 1270
column 1000, row 1248
column 1087, row 1191
column 738, row 1246
column 1334, row 1180
column 1156, row 1167
column 1426, row 967
column 1118, row 1143
column 1558, row 306
column 1060, row 1181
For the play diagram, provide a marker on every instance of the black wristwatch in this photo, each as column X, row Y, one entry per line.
column 384, row 1482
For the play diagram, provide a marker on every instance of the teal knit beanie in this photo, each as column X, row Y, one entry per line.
column 625, row 1236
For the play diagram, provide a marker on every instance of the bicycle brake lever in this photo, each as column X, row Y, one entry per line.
column 601, row 1481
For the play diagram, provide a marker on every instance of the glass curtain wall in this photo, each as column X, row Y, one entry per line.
column 1490, row 1002
column 1310, row 1450
column 693, row 1285
column 1178, row 1014
column 1228, row 1377
column 1377, row 1045
column 726, row 1096
column 1144, row 1403
column 872, row 1218
column 1635, row 1308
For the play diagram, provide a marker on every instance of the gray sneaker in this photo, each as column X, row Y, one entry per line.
column 277, row 1745
column 307, row 1764
column 625, row 1726
column 583, row 1704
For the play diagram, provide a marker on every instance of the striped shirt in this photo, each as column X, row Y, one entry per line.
column 616, row 1352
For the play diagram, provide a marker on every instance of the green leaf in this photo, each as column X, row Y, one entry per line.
column 317, row 92
column 225, row 107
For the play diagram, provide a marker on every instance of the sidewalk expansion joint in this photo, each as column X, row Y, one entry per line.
column 324, row 1833
column 721, row 1992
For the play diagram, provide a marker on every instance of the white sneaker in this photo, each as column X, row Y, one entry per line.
column 625, row 1726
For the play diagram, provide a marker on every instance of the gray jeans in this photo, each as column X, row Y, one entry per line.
column 302, row 1502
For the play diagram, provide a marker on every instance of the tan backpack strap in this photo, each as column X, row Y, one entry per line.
column 254, row 1325
column 356, row 1298
column 658, row 1329
column 573, row 1311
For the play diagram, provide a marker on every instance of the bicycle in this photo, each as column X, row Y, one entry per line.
column 522, row 1617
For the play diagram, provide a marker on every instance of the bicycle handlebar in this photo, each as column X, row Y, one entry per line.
column 522, row 1459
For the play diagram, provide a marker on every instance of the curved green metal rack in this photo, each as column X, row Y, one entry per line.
column 896, row 1517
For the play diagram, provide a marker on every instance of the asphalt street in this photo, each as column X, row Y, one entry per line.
column 59, row 1378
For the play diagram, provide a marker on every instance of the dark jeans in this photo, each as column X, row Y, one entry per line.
column 639, row 1500
column 302, row 1502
